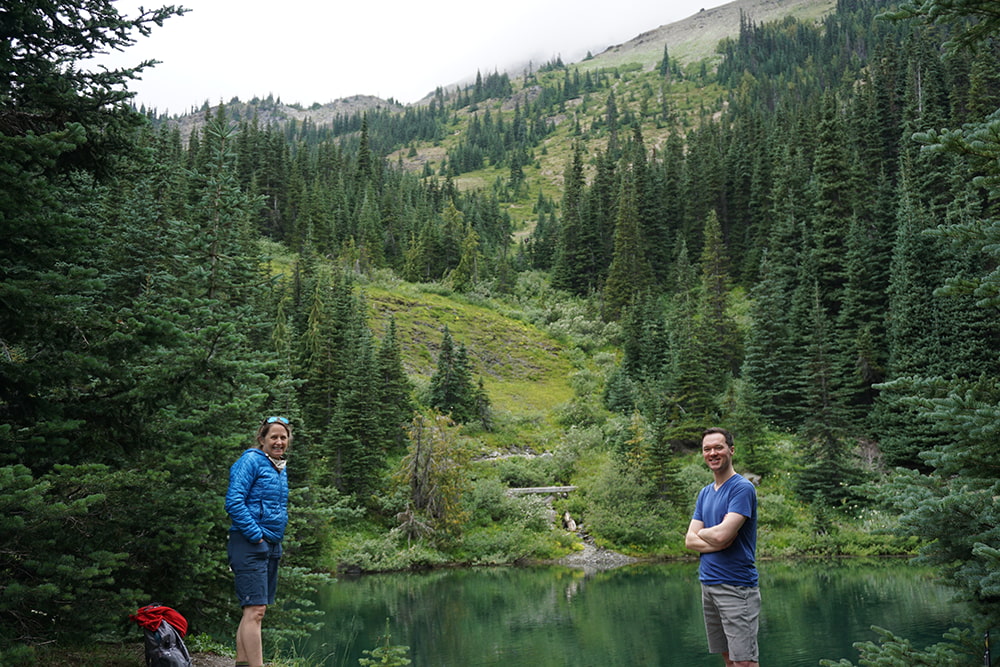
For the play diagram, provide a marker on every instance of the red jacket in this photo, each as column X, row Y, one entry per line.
column 150, row 617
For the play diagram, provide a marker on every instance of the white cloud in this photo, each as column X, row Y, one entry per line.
column 311, row 51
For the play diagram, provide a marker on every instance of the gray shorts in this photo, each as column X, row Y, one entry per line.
column 732, row 614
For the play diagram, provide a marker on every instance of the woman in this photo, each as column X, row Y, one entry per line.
column 257, row 503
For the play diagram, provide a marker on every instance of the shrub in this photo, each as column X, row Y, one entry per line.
column 582, row 412
column 518, row 471
column 389, row 552
column 624, row 512
column 777, row 511
column 486, row 501
column 500, row 544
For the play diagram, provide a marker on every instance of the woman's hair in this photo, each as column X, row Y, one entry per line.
column 266, row 425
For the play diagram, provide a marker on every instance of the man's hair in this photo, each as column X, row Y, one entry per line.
column 724, row 432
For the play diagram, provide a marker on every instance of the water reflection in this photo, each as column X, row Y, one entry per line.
column 634, row 615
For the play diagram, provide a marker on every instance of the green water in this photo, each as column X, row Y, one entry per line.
column 631, row 616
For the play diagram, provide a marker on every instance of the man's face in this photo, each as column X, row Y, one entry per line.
column 717, row 454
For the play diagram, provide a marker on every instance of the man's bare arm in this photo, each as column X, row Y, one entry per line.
column 724, row 534
column 693, row 541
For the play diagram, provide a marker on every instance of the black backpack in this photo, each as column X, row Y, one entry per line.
column 164, row 644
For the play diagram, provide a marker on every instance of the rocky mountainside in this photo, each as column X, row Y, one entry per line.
column 688, row 40
column 270, row 111
column 696, row 37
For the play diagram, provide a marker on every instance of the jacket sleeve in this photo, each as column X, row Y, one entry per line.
column 241, row 478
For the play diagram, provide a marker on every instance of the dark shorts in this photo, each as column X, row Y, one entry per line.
column 256, row 569
column 732, row 614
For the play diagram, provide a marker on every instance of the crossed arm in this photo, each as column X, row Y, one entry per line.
column 708, row 540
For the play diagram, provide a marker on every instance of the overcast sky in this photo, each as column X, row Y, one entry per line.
column 308, row 51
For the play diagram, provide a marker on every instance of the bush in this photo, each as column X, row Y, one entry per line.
column 486, row 501
column 506, row 543
column 387, row 553
column 777, row 511
column 624, row 512
column 519, row 471
column 582, row 411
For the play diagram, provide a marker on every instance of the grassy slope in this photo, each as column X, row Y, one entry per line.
column 524, row 370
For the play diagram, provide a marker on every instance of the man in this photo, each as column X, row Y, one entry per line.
column 724, row 531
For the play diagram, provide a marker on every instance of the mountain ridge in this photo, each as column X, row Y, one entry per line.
column 688, row 40
column 695, row 37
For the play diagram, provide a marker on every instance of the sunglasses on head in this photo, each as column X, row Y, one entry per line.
column 279, row 420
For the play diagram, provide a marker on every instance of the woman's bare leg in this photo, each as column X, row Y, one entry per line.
column 249, row 646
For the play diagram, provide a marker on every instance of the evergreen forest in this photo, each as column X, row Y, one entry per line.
column 553, row 278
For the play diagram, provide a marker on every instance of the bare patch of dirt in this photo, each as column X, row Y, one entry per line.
column 210, row 660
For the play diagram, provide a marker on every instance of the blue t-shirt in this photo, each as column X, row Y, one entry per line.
column 733, row 565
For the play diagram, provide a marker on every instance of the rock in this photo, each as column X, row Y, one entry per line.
column 594, row 558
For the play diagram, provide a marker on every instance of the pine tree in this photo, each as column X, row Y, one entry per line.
column 395, row 400
column 664, row 66
column 467, row 274
column 433, row 469
column 953, row 507
column 770, row 359
column 630, row 273
column 651, row 210
column 671, row 178
column 833, row 208
column 611, row 124
column 916, row 324
column 566, row 270
column 362, row 460
column 724, row 348
column 686, row 379
column 451, row 388
column 600, row 219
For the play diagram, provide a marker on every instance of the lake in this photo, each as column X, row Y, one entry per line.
column 635, row 615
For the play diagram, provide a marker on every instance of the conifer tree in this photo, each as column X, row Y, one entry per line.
column 451, row 388
column 395, row 399
column 644, row 339
column 953, row 506
column 566, row 271
column 630, row 273
column 650, row 209
column 664, row 66
column 370, row 234
column 467, row 274
column 433, row 470
column 828, row 477
column 916, row 326
column 611, row 125
column 724, row 348
column 363, row 455
column 365, row 158
column 833, row 207
column 599, row 220
column 62, row 127
column 775, row 354
column 157, row 369
column 686, row 379
column 671, row 179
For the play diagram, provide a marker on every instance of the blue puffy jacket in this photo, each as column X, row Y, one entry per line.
column 257, row 499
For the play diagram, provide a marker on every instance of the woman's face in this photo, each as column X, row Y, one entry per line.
column 274, row 442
